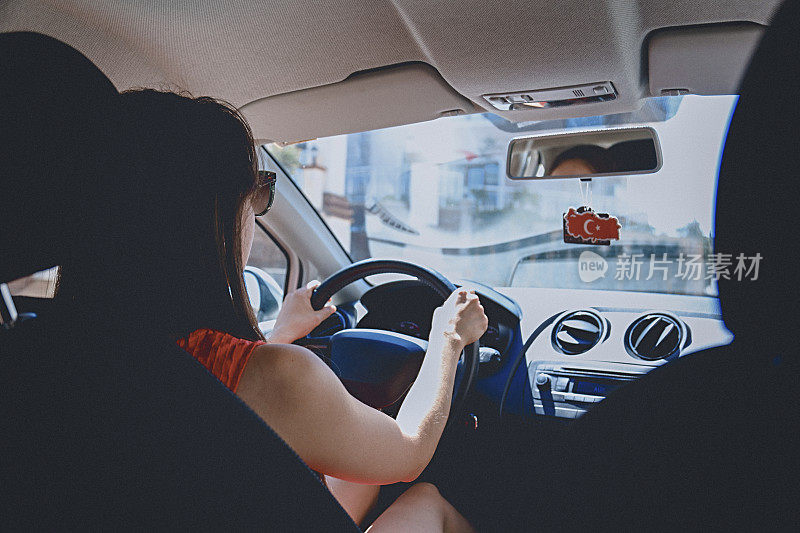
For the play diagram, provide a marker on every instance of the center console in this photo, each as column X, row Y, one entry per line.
column 567, row 390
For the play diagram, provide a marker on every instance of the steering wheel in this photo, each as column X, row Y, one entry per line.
column 373, row 355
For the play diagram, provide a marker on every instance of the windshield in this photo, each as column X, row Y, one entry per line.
column 436, row 194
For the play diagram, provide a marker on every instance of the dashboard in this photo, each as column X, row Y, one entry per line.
column 554, row 352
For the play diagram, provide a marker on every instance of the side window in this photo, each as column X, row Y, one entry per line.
column 265, row 277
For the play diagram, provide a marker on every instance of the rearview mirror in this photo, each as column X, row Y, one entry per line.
column 614, row 152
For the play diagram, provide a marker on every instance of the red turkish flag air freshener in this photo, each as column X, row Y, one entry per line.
column 584, row 226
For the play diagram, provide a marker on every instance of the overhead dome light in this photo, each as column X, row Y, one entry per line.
column 557, row 97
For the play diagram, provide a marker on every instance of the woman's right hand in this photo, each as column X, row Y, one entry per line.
column 460, row 318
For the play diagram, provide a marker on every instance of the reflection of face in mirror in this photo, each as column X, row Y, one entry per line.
column 584, row 154
column 582, row 160
column 572, row 167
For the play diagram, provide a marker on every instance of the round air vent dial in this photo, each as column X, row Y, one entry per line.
column 655, row 336
column 577, row 332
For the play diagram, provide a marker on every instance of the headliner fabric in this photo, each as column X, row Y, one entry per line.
column 246, row 50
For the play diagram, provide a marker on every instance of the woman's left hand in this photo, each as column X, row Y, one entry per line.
column 297, row 318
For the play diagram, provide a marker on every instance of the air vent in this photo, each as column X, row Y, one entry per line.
column 655, row 336
column 577, row 332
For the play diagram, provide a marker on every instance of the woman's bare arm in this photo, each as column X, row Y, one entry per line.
column 306, row 404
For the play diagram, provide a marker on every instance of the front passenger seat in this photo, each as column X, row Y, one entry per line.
column 710, row 441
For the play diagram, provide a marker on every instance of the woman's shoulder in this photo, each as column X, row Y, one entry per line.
column 284, row 367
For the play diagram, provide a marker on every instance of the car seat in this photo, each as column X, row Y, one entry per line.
column 709, row 441
column 102, row 426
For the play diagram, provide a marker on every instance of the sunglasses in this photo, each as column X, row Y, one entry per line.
column 265, row 192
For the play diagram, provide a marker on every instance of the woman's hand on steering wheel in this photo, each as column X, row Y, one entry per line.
column 350, row 346
column 461, row 317
column 297, row 318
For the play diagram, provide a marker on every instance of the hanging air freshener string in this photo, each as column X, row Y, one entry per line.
column 586, row 196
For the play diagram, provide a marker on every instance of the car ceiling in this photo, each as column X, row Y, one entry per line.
column 249, row 51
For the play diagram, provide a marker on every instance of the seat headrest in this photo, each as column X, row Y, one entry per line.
column 760, row 169
column 56, row 141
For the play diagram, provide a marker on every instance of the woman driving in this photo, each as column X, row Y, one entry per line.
column 188, row 222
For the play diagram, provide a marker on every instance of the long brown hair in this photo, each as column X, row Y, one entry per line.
column 174, row 261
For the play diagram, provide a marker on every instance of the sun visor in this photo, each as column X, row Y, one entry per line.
column 391, row 96
column 709, row 59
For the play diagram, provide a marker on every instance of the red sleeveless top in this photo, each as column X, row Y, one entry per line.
column 222, row 354
column 225, row 356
